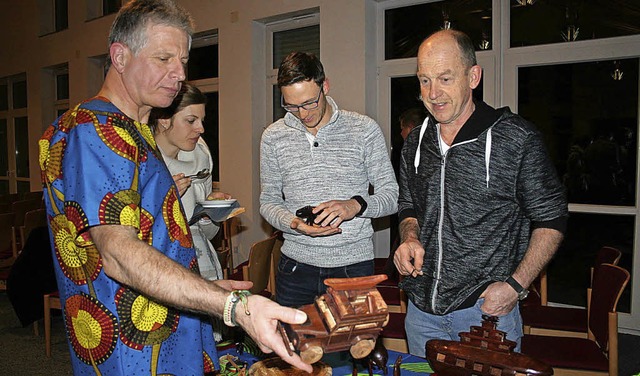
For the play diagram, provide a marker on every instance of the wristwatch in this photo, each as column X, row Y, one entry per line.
column 522, row 292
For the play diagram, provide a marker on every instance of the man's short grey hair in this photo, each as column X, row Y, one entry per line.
column 131, row 22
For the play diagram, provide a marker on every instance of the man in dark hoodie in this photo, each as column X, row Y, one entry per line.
column 481, row 208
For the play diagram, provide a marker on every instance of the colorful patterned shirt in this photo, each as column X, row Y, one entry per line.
column 100, row 167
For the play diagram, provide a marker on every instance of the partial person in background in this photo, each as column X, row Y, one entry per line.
column 177, row 130
column 408, row 119
column 481, row 207
column 132, row 300
column 325, row 157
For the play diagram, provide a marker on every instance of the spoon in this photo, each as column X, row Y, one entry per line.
column 200, row 174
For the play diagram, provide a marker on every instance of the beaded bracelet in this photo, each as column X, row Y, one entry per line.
column 228, row 313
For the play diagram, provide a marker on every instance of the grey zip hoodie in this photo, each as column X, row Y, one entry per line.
column 296, row 169
column 476, row 204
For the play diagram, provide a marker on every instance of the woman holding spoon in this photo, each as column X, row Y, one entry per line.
column 177, row 131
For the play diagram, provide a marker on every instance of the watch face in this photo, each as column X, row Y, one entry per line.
column 522, row 295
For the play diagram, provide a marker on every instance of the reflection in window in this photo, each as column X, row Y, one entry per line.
column 211, row 134
column 588, row 113
column 19, row 94
column 569, row 271
column 406, row 27
column 557, row 21
column 22, row 146
column 304, row 39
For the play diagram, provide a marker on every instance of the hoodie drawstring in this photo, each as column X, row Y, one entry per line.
column 416, row 160
column 487, row 155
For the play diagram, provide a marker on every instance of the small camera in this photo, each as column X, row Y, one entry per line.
column 306, row 213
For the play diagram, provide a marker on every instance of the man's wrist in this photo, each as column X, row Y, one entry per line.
column 520, row 290
column 231, row 303
column 363, row 204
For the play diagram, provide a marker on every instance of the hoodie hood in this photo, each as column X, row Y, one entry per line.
column 481, row 120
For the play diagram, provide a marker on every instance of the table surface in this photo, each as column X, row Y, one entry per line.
column 342, row 364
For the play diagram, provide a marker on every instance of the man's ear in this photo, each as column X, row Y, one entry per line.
column 119, row 56
column 325, row 86
column 475, row 74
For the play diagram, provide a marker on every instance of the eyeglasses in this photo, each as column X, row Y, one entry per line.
column 307, row 106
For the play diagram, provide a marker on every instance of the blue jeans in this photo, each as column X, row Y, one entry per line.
column 421, row 326
column 298, row 284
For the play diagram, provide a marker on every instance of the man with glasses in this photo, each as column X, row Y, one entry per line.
column 326, row 158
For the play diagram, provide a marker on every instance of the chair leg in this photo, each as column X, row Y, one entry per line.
column 47, row 326
column 36, row 332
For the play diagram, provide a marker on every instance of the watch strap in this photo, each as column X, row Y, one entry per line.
column 521, row 291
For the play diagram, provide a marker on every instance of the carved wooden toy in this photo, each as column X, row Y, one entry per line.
column 349, row 316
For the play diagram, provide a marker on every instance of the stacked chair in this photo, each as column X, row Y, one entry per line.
column 570, row 322
column 598, row 353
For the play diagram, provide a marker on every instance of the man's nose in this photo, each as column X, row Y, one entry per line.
column 179, row 72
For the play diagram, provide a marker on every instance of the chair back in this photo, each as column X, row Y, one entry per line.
column 32, row 195
column 21, row 207
column 275, row 260
column 608, row 283
column 608, row 255
column 259, row 264
column 6, row 229
column 33, row 219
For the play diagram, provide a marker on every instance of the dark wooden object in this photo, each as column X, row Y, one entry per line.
column 349, row 316
column 483, row 351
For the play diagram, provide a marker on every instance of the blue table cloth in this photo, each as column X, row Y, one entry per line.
column 342, row 364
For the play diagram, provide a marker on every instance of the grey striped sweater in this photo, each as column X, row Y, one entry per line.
column 350, row 154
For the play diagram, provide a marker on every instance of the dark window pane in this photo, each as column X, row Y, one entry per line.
column 62, row 86
column 278, row 111
column 110, row 6
column 62, row 17
column 22, row 147
column 589, row 121
column 569, row 271
column 203, row 62
column 20, row 94
column 4, row 187
column 557, row 21
column 4, row 97
column 305, row 39
column 4, row 162
column 405, row 28
column 211, row 134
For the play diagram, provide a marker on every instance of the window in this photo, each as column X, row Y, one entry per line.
column 406, row 27
column 203, row 57
column 558, row 21
column 62, row 90
column 14, row 131
column 100, row 8
column 54, row 15
column 202, row 71
column 299, row 32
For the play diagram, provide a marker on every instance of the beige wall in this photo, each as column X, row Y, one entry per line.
column 346, row 52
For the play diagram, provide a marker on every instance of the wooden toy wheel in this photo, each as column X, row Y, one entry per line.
column 311, row 355
column 362, row 348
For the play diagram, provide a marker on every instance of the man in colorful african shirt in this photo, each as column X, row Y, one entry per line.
column 132, row 298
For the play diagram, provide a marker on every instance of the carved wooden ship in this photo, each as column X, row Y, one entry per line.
column 349, row 316
column 483, row 351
